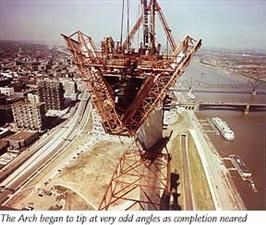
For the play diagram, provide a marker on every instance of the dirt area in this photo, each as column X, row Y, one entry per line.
column 95, row 169
column 71, row 200
column 37, row 198
column 84, row 178
column 19, row 199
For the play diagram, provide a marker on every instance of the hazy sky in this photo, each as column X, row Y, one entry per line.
column 220, row 23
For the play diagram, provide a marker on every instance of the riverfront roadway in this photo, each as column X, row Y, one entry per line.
column 43, row 151
column 223, row 191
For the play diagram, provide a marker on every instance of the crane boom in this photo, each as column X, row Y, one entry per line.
column 127, row 86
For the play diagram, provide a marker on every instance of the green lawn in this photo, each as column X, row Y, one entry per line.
column 201, row 192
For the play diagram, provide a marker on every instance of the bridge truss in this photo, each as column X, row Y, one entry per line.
column 136, row 176
column 199, row 84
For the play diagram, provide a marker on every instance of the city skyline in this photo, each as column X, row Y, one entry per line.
column 221, row 24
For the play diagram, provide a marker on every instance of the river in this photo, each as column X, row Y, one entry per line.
column 250, row 130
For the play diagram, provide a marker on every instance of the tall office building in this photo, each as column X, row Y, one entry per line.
column 70, row 88
column 29, row 115
column 51, row 92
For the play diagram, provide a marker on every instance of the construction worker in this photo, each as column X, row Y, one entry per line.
column 158, row 49
column 110, row 44
column 141, row 49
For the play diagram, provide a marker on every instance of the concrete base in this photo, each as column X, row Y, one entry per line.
column 150, row 131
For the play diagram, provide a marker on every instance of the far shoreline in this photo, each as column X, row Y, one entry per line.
column 209, row 65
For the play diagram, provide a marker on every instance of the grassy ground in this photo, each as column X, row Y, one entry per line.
column 201, row 192
column 176, row 165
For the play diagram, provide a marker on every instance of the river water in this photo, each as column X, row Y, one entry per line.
column 250, row 131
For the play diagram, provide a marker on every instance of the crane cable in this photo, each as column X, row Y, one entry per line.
column 128, row 41
column 122, row 21
column 138, row 15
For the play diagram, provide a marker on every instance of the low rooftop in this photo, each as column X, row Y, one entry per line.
column 22, row 135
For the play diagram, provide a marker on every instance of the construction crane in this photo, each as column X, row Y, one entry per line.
column 126, row 84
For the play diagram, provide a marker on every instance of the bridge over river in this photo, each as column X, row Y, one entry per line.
column 199, row 85
column 219, row 105
column 245, row 107
column 248, row 95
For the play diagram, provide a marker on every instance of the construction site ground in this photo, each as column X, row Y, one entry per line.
column 78, row 178
column 95, row 168
column 78, row 185
column 201, row 196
